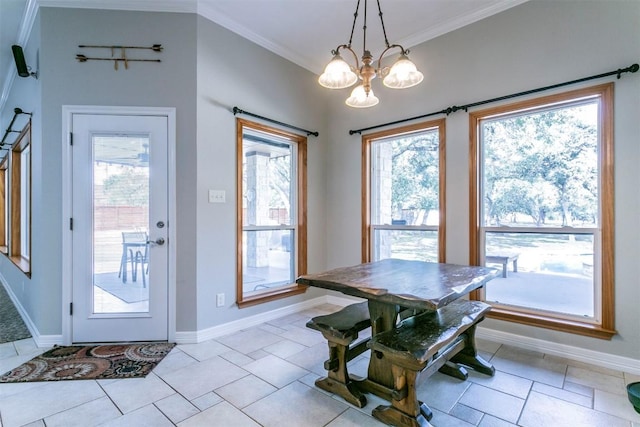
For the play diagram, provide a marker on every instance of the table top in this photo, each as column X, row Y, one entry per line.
column 410, row 284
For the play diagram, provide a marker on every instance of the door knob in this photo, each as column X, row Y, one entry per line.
column 159, row 241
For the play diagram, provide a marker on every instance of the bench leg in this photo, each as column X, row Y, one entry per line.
column 469, row 356
column 405, row 409
column 515, row 265
column 454, row 370
column 504, row 269
column 338, row 380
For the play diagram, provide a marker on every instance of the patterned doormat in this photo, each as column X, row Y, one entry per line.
column 95, row 362
column 12, row 327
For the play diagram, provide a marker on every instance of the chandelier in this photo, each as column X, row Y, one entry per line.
column 338, row 74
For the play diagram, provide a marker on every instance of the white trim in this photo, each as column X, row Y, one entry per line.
column 606, row 360
column 186, row 6
column 40, row 340
column 194, row 337
column 67, row 114
column 24, row 32
column 457, row 22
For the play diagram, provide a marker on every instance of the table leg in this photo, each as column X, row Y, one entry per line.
column 383, row 318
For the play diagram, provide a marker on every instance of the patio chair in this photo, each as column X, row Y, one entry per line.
column 132, row 242
column 141, row 258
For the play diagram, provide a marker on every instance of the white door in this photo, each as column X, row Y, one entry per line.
column 119, row 228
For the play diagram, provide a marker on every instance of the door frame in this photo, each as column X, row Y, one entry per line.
column 67, row 186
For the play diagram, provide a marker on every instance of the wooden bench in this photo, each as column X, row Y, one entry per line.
column 420, row 345
column 504, row 260
column 341, row 331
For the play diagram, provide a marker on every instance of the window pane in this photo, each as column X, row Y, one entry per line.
column 541, row 168
column 406, row 244
column 25, row 205
column 267, row 172
column 554, row 271
column 267, row 260
column 405, row 180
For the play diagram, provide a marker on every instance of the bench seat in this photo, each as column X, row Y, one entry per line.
column 422, row 344
column 341, row 330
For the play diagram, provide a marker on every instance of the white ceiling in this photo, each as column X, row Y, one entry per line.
column 302, row 31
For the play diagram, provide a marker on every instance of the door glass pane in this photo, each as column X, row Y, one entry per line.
column 120, row 220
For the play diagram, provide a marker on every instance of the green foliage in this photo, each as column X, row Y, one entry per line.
column 129, row 188
column 542, row 165
column 415, row 182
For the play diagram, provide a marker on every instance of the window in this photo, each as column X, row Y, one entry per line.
column 4, row 224
column 17, row 214
column 542, row 188
column 403, row 203
column 25, row 205
column 271, row 197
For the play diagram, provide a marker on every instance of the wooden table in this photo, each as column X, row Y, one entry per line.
column 394, row 286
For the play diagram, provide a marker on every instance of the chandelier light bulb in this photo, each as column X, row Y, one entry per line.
column 337, row 74
column 403, row 74
column 361, row 99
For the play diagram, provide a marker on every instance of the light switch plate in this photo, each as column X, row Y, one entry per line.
column 217, row 196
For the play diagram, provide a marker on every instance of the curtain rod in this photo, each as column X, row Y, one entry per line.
column 237, row 110
column 630, row 69
column 16, row 113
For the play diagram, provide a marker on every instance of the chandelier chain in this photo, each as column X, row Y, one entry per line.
column 364, row 28
column 384, row 30
column 353, row 26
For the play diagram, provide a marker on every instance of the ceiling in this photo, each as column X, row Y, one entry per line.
column 302, row 31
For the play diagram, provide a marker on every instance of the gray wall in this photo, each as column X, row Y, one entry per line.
column 26, row 94
column 65, row 81
column 235, row 72
column 536, row 44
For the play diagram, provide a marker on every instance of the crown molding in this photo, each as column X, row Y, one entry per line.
column 208, row 11
column 187, row 6
column 24, row 32
column 458, row 22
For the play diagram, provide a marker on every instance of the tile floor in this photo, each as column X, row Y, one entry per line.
column 264, row 376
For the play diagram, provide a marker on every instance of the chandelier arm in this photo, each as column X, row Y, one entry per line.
column 336, row 51
column 402, row 50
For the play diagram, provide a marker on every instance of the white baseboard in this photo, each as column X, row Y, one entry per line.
column 191, row 337
column 40, row 340
column 606, row 360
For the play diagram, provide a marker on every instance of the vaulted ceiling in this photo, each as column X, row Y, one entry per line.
column 302, row 31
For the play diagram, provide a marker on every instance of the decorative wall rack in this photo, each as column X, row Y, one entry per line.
column 121, row 51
